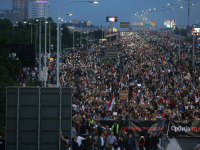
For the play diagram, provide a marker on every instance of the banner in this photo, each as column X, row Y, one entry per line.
column 123, row 94
column 173, row 128
column 180, row 129
column 148, row 126
column 137, row 126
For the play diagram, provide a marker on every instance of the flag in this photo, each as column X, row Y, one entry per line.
column 111, row 102
column 142, row 101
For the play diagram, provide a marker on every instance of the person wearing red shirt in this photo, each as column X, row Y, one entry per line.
column 141, row 143
column 161, row 100
column 106, row 135
column 173, row 103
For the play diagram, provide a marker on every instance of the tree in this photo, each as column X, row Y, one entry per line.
column 22, row 33
column 9, row 70
column 183, row 32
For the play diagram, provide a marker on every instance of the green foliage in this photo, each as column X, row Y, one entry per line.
column 104, row 60
column 9, row 70
column 35, row 83
column 183, row 32
column 142, row 36
column 188, row 39
column 22, row 33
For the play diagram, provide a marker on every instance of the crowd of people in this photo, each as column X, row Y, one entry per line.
column 97, row 137
column 159, row 84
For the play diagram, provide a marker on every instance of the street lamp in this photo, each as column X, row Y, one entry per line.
column 58, row 41
column 170, row 18
column 194, row 10
column 194, row 34
column 179, row 28
column 81, row 34
column 69, row 14
column 189, row 12
column 73, row 34
column 36, row 33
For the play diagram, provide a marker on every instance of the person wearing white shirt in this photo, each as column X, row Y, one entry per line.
column 196, row 99
column 79, row 140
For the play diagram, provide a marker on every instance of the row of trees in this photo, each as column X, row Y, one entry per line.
column 9, row 71
column 22, row 33
column 183, row 32
column 9, row 67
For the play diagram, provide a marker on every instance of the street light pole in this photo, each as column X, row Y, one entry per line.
column 87, row 38
column 170, row 27
column 180, row 35
column 163, row 21
column 49, row 36
column 36, row 34
column 60, row 40
column 73, row 36
column 45, row 49
column 58, row 45
column 81, row 35
column 40, row 73
column 193, row 51
column 57, row 59
column 188, row 16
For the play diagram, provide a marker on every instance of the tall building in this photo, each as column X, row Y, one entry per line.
column 39, row 7
column 13, row 16
column 22, row 7
column 2, row 15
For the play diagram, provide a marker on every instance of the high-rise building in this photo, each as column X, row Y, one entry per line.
column 2, row 15
column 22, row 7
column 13, row 16
column 39, row 7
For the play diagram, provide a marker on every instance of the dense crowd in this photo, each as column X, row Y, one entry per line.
column 160, row 86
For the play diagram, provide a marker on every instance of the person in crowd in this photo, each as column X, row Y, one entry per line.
column 129, row 131
column 115, row 128
column 154, row 141
column 73, row 132
column 111, row 140
column 107, row 129
column 101, row 142
column 95, row 137
column 120, row 138
column 99, row 129
column 66, row 140
column 130, row 143
column 197, row 147
column 75, row 144
column 141, row 142
column 82, row 130
column 116, row 146
column 78, row 118
column 164, row 141
column 79, row 140
column 88, row 144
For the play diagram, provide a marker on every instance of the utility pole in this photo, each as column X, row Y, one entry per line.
column 40, row 51
column 73, row 36
column 188, row 16
column 49, row 37
column 45, row 49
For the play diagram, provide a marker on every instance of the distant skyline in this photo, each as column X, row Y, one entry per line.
column 124, row 9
